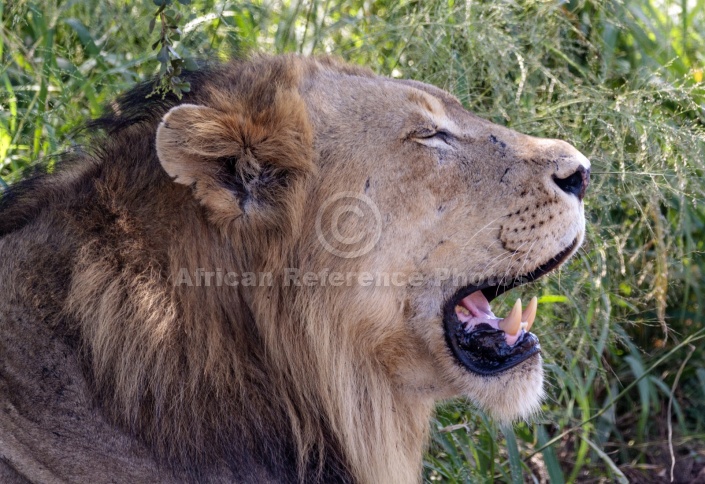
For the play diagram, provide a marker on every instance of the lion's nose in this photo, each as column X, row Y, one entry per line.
column 575, row 183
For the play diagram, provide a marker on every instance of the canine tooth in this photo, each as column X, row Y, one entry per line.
column 512, row 323
column 529, row 313
column 462, row 309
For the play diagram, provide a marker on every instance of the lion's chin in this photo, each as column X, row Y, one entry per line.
column 514, row 395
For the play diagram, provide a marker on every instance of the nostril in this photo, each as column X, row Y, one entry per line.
column 576, row 183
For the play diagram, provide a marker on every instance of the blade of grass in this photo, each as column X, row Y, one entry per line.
column 514, row 457
column 555, row 473
column 619, row 475
column 644, row 387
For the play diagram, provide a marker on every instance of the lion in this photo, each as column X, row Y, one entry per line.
column 273, row 279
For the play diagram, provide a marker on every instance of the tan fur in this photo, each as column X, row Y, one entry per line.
column 150, row 379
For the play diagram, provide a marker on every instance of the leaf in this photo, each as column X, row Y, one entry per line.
column 174, row 53
column 161, row 3
column 514, row 458
column 190, row 64
column 552, row 298
column 185, row 2
column 83, row 35
column 700, row 372
column 152, row 23
column 644, row 390
column 621, row 478
column 5, row 141
column 163, row 55
column 549, row 457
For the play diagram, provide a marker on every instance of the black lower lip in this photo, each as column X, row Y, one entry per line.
column 484, row 350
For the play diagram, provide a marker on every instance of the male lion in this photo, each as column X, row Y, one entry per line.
column 273, row 280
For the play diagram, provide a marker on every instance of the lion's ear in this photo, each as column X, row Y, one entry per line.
column 239, row 160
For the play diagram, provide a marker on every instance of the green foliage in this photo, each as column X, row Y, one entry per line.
column 172, row 64
column 621, row 80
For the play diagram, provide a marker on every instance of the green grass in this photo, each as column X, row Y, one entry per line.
column 622, row 326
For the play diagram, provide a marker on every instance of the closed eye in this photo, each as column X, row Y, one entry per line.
column 434, row 138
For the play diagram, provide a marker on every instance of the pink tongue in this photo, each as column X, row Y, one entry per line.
column 480, row 312
column 477, row 304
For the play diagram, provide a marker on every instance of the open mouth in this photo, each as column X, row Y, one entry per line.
column 484, row 343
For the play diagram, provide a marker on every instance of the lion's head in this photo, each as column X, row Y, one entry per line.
column 299, row 261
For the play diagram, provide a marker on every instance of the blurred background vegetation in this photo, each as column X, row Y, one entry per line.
column 621, row 326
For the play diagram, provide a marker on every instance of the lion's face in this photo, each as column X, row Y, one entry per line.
column 459, row 210
column 411, row 214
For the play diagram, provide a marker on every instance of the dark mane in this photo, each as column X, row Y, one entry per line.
column 24, row 200
column 141, row 105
